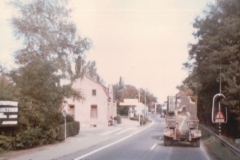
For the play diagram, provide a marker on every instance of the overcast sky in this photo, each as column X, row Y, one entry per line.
column 143, row 41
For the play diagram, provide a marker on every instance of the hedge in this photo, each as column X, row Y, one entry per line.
column 143, row 120
column 72, row 130
column 5, row 143
column 119, row 120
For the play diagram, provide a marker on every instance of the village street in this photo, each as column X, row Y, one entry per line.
column 124, row 141
column 87, row 138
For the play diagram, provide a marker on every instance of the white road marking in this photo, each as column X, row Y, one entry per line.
column 108, row 132
column 160, row 137
column 153, row 146
column 123, row 131
column 99, row 149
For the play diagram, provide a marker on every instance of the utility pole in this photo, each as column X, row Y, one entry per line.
column 139, row 102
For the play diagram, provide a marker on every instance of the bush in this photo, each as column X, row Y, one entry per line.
column 122, row 110
column 72, row 130
column 60, row 118
column 5, row 143
column 119, row 120
column 143, row 120
column 35, row 137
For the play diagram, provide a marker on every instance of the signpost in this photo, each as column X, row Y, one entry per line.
column 219, row 117
column 64, row 115
column 8, row 114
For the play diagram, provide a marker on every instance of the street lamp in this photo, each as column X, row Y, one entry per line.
column 219, row 117
column 64, row 115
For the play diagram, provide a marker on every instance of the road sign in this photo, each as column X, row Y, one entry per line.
column 219, row 118
column 8, row 114
column 64, row 113
column 237, row 141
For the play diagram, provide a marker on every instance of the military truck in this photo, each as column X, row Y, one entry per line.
column 182, row 121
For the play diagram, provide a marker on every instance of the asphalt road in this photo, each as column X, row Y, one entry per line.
column 145, row 143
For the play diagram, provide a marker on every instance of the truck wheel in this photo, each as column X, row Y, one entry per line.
column 165, row 141
column 198, row 142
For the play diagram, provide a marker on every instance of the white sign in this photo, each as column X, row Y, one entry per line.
column 130, row 100
column 8, row 103
column 219, row 118
column 237, row 141
column 9, row 109
column 9, row 122
column 64, row 113
column 8, row 113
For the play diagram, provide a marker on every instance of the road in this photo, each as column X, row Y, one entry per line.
column 144, row 143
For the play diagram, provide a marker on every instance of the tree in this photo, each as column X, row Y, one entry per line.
column 51, row 43
column 214, row 59
column 50, row 50
column 118, row 89
column 90, row 70
column 48, row 34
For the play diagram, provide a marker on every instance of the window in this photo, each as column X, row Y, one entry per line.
column 94, row 92
column 94, row 112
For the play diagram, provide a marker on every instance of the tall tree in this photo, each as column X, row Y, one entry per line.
column 50, row 40
column 214, row 59
column 118, row 89
column 48, row 34
column 50, row 50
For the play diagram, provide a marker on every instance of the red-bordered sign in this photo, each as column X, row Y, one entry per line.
column 219, row 118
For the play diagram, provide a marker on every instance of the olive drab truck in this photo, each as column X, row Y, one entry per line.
column 182, row 121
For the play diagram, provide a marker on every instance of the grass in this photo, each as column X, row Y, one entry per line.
column 215, row 148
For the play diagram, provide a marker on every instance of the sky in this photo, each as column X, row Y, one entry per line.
column 143, row 41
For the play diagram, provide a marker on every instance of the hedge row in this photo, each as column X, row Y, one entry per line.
column 5, row 143
column 72, row 129
column 143, row 120
column 119, row 120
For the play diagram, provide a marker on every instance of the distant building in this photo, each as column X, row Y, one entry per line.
column 98, row 107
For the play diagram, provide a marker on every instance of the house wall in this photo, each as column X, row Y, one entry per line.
column 83, row 108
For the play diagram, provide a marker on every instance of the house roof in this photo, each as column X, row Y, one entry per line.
column 105, row 89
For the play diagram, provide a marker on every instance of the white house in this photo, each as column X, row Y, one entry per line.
column 97, row 108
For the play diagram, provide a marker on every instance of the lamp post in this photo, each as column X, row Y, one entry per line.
column 219, row 117
column 65, row 128
column 138, row 110
column 64, row 115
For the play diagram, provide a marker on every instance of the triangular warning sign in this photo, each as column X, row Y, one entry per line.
column 219, row 115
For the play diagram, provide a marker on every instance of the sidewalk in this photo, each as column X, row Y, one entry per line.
column 88, row 136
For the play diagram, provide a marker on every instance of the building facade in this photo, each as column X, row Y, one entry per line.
column 98, row 107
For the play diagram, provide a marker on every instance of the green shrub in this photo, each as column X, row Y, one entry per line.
column 122, row 110
column 119, row 120
column 35, row 137
column 72, row 129
column 5, row 143
column 60, row 118
column 143, row 120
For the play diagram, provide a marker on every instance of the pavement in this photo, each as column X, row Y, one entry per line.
column 87, row 137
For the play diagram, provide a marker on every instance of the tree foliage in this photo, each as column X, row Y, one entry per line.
column 214, row 58
column 118, row 89
column 48, row 34
column 125, row 91
column 52, row 51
